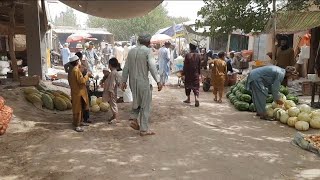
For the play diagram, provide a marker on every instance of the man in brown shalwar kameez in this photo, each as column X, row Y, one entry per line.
column 79, row 94
column 191, row 71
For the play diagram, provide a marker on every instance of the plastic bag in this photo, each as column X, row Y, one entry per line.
column 127, row 95
column 2, row 101
column 305, row 52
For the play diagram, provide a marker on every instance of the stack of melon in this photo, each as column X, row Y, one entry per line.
column 50, row 99
column 97, row 105
column 241, row 98
column 301, row 117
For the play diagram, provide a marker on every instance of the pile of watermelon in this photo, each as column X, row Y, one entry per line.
column 241, row 98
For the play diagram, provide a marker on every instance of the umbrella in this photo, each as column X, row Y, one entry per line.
column 77, row 37
column 158, row 38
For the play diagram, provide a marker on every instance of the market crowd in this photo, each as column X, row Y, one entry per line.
column 142, row 63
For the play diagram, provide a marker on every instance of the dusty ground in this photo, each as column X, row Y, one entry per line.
column 211, row 142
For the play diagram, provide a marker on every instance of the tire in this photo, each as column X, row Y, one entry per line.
column 206, row 85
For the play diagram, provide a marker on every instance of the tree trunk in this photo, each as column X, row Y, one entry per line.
column 14, row 65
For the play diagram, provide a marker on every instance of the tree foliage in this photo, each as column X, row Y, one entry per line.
column 66, row 18
column 123, row 29
column 224, row 16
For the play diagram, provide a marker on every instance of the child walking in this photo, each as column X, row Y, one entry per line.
column 110, row 88
column 219, row 73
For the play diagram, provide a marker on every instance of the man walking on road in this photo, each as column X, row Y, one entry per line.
column 91, row 57
column 138, row 65
column 164, row 63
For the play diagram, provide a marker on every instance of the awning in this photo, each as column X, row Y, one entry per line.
column 172, row 30
column 114, row 9
column 71, row 30
column 293, row 21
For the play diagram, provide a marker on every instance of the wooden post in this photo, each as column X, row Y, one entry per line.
column 274, row 29
column 14, row 65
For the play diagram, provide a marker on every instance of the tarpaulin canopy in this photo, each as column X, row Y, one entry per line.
column 113, row 9
column 172, row 30
column 293, row 21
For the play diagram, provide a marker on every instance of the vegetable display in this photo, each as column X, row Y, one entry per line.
column 49, row 99
column 241, row 98
column 302, row 117
column 97, row 105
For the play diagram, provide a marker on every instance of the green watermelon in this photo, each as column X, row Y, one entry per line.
column 269, row 99
column 242, row 106
column 234, row 90
column 246, row 98
column 228, row 94
column 284, row 90
column 238, row 94
column 252, row 107
column 294, row 98
column 232, row 87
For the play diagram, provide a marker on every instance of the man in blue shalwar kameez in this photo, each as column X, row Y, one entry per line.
column 263, row 79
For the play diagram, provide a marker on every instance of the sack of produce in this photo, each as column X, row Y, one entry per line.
column 5, row 117
column 2, row 101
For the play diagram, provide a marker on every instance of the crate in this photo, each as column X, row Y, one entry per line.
column 307, row 88
column 29, row 81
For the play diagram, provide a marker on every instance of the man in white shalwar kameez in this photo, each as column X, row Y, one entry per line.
column 164, row 63
column 138, row 65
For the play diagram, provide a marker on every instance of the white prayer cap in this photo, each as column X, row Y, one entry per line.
column 73, row 58
column 105, row 69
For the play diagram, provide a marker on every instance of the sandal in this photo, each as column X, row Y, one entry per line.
column 84, row 124
column 197, row 104
column 147, row 133
column 78, row 129
column 267, row 118
column 187, row 102
column 215, row 100
column 257, row 114
column 219, row 101
column 134, row 125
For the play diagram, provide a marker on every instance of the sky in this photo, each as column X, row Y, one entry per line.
column 175, row 8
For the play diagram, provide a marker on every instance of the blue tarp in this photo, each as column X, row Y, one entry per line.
column 170, row 31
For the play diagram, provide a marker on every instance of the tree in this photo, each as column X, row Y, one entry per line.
column 66, row 18
column 123, row 29
column 224, row 16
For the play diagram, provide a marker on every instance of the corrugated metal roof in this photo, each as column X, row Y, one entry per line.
column 293, row 21
column 71, row 30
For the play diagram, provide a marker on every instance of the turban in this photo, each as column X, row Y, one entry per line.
column 144, row 38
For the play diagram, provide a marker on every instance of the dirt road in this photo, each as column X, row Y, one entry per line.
column 211, row 142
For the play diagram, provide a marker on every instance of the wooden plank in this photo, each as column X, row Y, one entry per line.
column 14, row 65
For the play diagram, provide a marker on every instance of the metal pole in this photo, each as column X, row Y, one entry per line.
column 274, row 32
